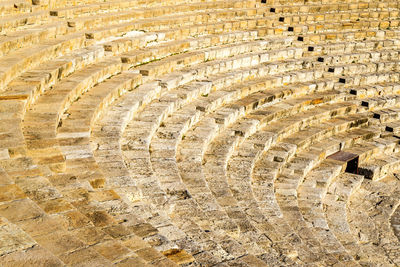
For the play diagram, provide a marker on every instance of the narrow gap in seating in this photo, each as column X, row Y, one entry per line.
column 377, row 116
column 352, row 166
column 389, row 129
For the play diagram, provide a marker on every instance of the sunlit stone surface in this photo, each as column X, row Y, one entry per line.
column 199, row 133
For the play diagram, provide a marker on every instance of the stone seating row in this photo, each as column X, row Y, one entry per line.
column 83, row 177
column 13, row 7
column 330, row 7
column 19, row 52
column 43, row 32
column 12, row 70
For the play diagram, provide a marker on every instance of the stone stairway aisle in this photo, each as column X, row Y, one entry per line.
column 199, row 133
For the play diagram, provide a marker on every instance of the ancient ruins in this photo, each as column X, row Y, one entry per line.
column 199, row 133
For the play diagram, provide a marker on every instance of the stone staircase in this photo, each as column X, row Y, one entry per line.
column 199, row 133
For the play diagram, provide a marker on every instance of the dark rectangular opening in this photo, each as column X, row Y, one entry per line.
column 364, row 103
column 310, row 48
column 353, row 92
column 352, row 166
column 290, row 29
column 331, row 70
column 300, row 38
column 281, row 19
column 239, row 133
column 321, row 59
column 389, row 129
column 377, row 116
column 272, row 10
column 264, row 1
column 342, row 80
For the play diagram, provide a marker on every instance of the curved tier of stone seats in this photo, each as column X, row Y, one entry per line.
column 198, row 133
column 375, row 234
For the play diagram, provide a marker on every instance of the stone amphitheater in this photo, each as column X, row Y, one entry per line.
column 199, row 133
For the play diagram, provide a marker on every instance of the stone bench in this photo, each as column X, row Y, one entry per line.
column 152, row 15
column 31, row 36
column 348, row 15
column 348, row 36
column 23, row 59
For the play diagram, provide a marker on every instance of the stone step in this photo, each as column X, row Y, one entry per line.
column 30, row 36
column 380, row 102
column 216, row 156
column 214, row 161
column 334, row 203
column 314, row 188
column 263, row 175
column 125, row 184
column 89, row 93
column 374, row 90
column 157, row 16
column 342, row 15
column 40, row 130
column 9, row 24
column 349, row 35
column 375, row 197
column 350, row 47
column 23, row 59
column 284, row 7
column 288, row 182
column 191, row 151
column 380, row 166
column 144, row 7
column 48, row 230
column 5, row 79
column 14, row 7
column 387, row 115
column 100, row 71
